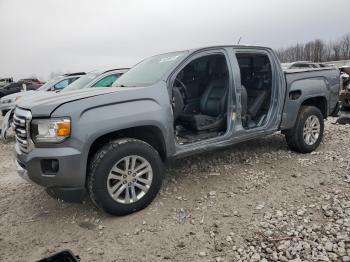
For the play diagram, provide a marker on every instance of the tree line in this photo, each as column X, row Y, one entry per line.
column 317, row 51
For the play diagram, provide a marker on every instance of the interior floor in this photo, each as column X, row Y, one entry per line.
column 185, row 136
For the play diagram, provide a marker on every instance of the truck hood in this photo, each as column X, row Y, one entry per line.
column 44, row 104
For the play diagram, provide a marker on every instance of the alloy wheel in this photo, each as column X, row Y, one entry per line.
column 129, row 179
column 312, row 129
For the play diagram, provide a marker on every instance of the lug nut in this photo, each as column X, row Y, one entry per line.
column 124, row 176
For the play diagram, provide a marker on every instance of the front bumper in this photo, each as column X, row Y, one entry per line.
column 68, row 183
column 22, row 172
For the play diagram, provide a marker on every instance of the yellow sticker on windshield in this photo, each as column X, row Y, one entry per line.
column 169, row 59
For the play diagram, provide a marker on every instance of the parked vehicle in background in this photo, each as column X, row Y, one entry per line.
column 345, row 86
column 5, row 81
column 96, row 79
column 113, row 142
column 7, row 93
column 304, row 65
column 16, row 87
column 8, row 102
column 33, row 81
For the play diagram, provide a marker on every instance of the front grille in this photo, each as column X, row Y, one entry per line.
column 21, row 122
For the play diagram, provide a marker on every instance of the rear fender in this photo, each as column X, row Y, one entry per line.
column 299, row 92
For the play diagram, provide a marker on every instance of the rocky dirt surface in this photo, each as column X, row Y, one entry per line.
column 255, row 201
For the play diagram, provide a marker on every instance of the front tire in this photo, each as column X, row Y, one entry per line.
column 307, row 133
column 124, row 176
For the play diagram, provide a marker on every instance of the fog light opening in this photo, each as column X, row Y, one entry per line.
column 50, row 166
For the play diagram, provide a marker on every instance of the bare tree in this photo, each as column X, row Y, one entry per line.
column 317, row 50
column 345, row 46
column 336, row 50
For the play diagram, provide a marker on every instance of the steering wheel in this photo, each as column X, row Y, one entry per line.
column 182, row 88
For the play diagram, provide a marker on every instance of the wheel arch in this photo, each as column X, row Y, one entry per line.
column 293, row 107
column 320, row 102
column 147, row 133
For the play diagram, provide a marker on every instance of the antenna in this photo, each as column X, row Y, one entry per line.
column 239, row 40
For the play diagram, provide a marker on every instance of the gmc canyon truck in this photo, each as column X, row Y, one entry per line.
column 112, row 143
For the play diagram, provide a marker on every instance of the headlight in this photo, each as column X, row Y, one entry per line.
column 50, row 130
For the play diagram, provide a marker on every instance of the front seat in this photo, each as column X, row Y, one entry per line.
column 177, row 103
column 213, row 103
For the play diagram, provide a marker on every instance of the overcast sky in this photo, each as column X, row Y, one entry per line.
column 38, row 37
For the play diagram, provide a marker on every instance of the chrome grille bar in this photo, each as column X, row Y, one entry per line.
column 21, row 123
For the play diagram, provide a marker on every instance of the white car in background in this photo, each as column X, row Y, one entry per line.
column 94, row 79
column 58, row 83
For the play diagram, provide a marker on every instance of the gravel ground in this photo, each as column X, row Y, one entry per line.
column 255, row 201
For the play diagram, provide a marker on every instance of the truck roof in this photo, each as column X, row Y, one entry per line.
column 231, row 46
column 192, row 50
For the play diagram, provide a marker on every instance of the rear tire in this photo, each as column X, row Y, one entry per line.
column 307, row 133
column 114, row 182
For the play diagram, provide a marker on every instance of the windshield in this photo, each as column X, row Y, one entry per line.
column 82, row 81
column 48, row 84
column 150, row 70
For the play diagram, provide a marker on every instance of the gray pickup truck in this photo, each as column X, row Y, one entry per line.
column 112, row 143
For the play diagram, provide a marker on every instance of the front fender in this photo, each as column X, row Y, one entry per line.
column 100, row 121
column 97, row 116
